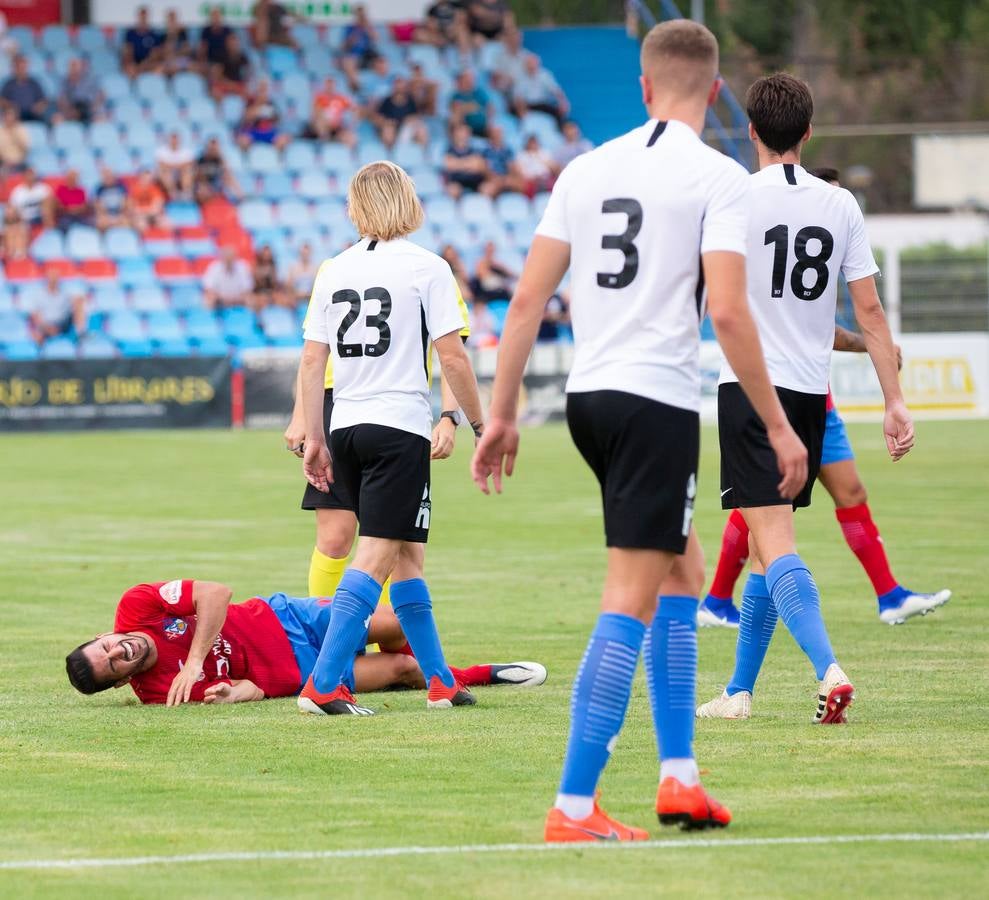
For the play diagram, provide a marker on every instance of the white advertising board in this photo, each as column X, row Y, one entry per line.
column 238, row 12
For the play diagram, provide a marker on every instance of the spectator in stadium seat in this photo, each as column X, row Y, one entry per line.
column 359, row 48
column 56, row 311
column 34, row 201
column 213, row 177
column 456, row 263
column 500, row 159
column 395, row 115
column 212, row 49
column 72, row 204
column 176, row 167
column 574, row 144
column 488, row 19
column 330, row 119
column 536, row 167
column 464, row 168
column 142, row 48
column 445, row 25
column 80, row 99
column 227, row 281
column 556, row 318
column 302, row 274
column 147, row 201
column 375, row 81
column 470, row 104
column 261, row 120
column 15, row 233
column 15, row 142
column 509, row 62
column 177, row 50
column 24, row 93
column 492, row 280
column 231, row 72
column 536, row 89
column 268, row 288
column 112, row 203
column 423, row 91
column 271, row 25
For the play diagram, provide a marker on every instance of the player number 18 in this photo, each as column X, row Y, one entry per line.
column 779, row 236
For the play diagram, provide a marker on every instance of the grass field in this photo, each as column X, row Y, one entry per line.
column 83, row 517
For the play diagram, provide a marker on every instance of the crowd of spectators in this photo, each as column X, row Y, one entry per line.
column 369, row 89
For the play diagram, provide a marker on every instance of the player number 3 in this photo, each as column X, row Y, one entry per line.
column 623, row 242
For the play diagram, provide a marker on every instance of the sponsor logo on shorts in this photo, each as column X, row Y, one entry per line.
column 175, row 628
column 425, row 507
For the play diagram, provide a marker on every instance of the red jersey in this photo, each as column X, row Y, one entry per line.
column 830, row 401
column 252, row 643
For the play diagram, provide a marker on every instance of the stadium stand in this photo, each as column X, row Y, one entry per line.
column 138, row 255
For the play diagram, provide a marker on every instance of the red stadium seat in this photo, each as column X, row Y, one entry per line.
column 194, row 233
column 99, row 268
column 158, row 234
column 199, row 266
column 173, row 268
column 66, row 268
column 22, row 270
column 218, row 213
column 236, row 237
column 9, row 183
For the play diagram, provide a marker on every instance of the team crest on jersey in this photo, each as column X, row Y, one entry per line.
column 425, row 507
column 175, row 628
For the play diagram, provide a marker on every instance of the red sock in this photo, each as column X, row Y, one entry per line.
column 472, row 676
column 406, row 650
column 864, row 541
column 734, row 555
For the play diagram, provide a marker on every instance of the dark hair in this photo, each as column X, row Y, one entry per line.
column 825, row 173
column 80, row 672
column 780, row 108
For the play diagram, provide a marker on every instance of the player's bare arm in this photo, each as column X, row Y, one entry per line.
column 897, row 422
column 312, row 373
column 846, row 341
column 445, row 432
column 211, row 600
column 242, row 691
column 295, row 433
column 458, row 371
column 724, row 274
column 545, row 267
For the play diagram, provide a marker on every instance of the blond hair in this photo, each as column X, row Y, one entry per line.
column 382, row 202
column 680, row 56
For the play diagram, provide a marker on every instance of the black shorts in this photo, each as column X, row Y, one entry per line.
column 336, row 497
column 386, row 472
column 644, row 454
column 749, row 474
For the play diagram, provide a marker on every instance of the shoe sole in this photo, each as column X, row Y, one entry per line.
column 688, row 823
column 534, row 674
column 706, row 620
column 449, row 704
column 921, row 612
column 836, row 706
column 311, row 707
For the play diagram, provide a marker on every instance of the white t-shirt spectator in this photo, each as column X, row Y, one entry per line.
column 231, row 285
column 534, row 164
column 27, row 200
column 538, row 88
column 174, row 157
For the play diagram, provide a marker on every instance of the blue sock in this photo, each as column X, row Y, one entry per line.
column 755, row 630
column 670, row 655
column 600, row 697
column 410, row 600
column 892, row 598
column 799, row 605
column 353, row 605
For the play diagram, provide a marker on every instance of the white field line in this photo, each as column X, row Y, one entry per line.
column 382, row 852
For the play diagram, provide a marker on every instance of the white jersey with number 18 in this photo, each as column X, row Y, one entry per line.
column 638, row 212
column 803, row 234
column 378, row 304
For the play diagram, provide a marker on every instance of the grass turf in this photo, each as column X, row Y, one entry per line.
column 516, row 577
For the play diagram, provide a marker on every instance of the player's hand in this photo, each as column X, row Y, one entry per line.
column 444, row 437
column 316, row 465
column 295, row 436
column 183, row 683
column 497, row 449
column 218, row 693
column 898, row 429
column 791, row 459
column 899, row 357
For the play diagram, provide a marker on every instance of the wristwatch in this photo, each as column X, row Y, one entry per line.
column 453, row 415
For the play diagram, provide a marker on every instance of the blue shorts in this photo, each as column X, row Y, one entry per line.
column 837, row 447
column 305, row 621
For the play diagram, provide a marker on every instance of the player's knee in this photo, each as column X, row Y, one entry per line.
column 406, row 670
column 335, row 544
column 852, row 494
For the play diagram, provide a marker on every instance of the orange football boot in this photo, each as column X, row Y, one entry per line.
column 339, row 702
column 692, row 808
column 598, row 826
column 442, row 697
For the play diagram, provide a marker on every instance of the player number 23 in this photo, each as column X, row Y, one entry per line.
column 378, row 320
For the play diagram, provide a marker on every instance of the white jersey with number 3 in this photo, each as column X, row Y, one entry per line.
column 638, row 212
column 378, row 305
column 803, row 233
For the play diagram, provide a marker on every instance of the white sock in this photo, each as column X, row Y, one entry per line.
column 683, row 770
column 575, row 806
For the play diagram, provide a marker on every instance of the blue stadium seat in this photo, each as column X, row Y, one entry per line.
column 142, row 135
column 151, row 86
column 116, row 87
column 66, row 135
column 306, row 35
column 300, row 157
column 6, row 300
column 211, row 346
column 90, row 38
column 441, row 211
column 232, row 109
column 190, row 86
column 103, row 134
column 338, row 159
column 163, row 325
column 197, row 247
column 313, row 186
column 240, row 326
column 137, row 348
column 370, row 151
column 513, row 208
column 128, row 113
column 186, row 297
column 256, row 214
column 318, row 62
column 37, row 133
column 161, row 247
column 293, row 212
column 277, row 186
column 19, row 351
column 174, row 347
column 122, row 243
column 45, row 162
column 80, row 158
column 476, row 208
column 150, row 298
column 280, row 61
column 108, row 298
column 13, row 327
column 96, row 346
column 59, row 348
column 183, row 214
column 136, row 272
column 200, row 111
column 102, row 63
column 23, row 36
column 331, row 215
column 83, row 242
column 408, row 155
column 277, row 322
column 263, row 158
column 202, row 325
column 117, row 160
column 125, row 325
column 48, row 245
